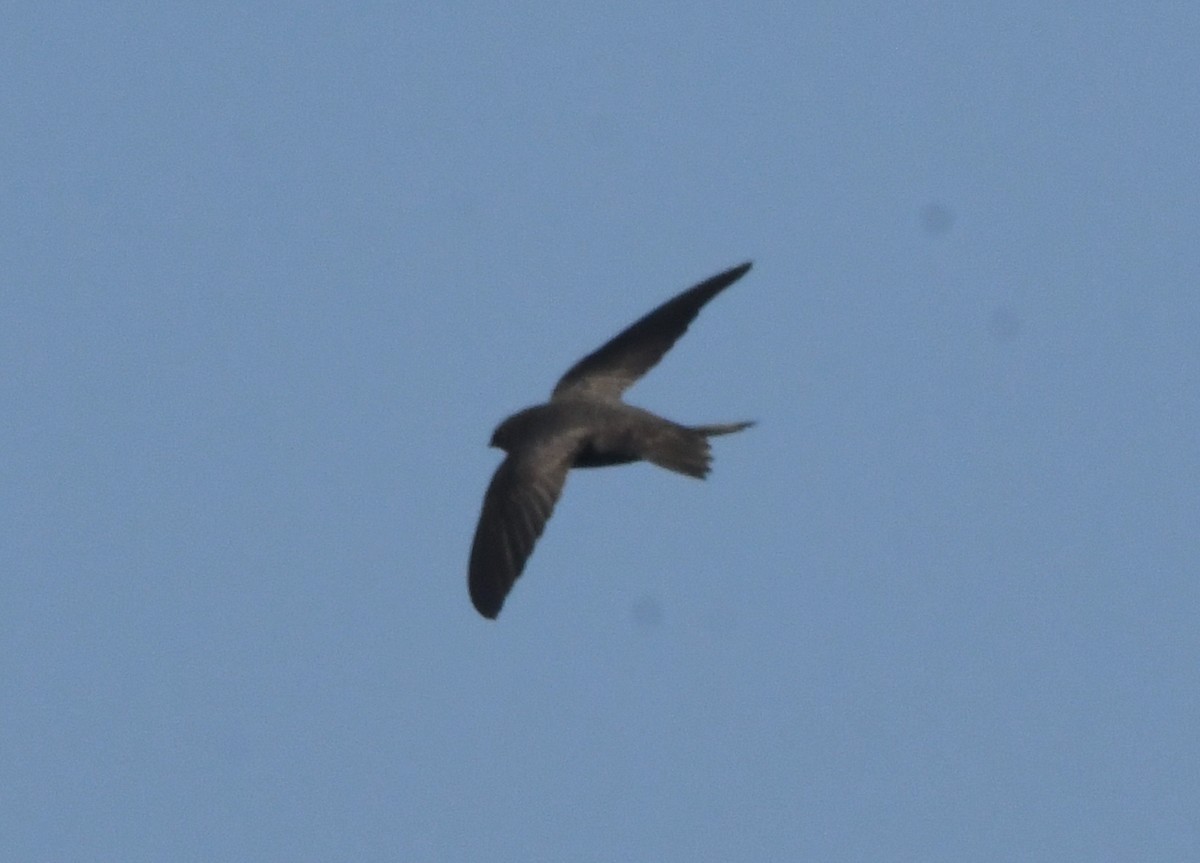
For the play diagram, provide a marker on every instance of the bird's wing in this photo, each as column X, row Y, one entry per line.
column 516, row 506
column 611, row 369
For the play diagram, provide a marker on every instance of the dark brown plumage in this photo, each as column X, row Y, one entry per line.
column 585, row 424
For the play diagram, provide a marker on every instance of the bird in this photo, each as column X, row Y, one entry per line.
column 586, row 424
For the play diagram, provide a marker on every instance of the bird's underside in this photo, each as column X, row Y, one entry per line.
column 585, row 424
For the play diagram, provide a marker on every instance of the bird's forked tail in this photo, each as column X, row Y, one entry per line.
column 685, row 449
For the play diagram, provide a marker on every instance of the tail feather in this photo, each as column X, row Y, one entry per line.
column 722, row 428
column 685, row 449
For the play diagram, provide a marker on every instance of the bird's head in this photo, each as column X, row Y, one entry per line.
column 509, row 433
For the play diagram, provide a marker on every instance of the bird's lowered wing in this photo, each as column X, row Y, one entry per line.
column 516, row 506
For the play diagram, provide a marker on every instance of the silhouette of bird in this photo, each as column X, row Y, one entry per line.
column 585, row 424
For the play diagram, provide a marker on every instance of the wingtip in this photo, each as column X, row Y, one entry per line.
column 491, row 612
column 715, row 284
column 486, row 602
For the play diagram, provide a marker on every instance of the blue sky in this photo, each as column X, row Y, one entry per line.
column 271, row 274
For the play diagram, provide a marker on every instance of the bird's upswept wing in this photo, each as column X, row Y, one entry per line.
column 612, row 368
column 516, row 506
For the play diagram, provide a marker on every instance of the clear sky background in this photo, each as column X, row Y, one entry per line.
column 270, row 274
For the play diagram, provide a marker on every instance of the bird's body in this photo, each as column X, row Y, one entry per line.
column 585, row 424
column 604, row 433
